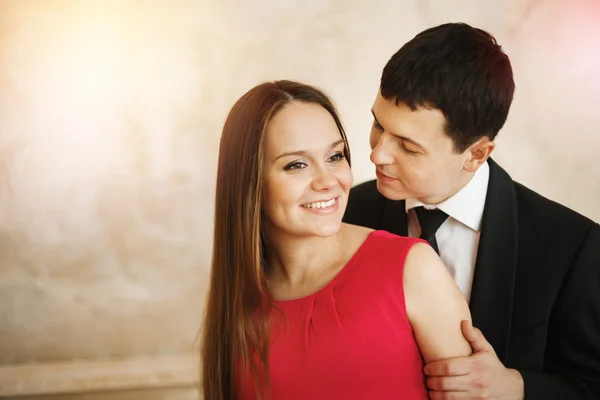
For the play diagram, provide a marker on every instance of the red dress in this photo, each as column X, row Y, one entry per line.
column 351, row 339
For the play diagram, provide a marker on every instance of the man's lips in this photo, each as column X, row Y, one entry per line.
column 383, row 177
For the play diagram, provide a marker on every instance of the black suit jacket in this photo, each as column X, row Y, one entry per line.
column 536, row 287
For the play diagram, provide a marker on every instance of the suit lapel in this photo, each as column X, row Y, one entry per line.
column 491, row 300
column 393, row 217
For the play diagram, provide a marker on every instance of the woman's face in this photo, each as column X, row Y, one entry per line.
column 307, row 178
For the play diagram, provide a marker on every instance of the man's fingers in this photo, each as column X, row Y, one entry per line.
column 449, row 367
column 435, row 395
column 475, row 337
column 449, row 383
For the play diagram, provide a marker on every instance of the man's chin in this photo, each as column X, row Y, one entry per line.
column 388, row 191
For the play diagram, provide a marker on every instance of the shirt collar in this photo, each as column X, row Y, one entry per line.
column 467, row 205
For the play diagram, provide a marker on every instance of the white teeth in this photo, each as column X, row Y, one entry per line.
column 320, row 204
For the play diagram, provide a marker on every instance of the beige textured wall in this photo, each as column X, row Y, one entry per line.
column 110, row 116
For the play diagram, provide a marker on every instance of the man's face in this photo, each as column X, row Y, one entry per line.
column 413, row 156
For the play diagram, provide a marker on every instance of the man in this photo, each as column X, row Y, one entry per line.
column 529, row 267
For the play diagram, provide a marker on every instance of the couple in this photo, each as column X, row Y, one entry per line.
column 304, row 306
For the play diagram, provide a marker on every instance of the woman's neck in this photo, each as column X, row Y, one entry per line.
column 297, row 262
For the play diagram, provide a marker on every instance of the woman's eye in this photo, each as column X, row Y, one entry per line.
column 337, row 157
column 294, row 166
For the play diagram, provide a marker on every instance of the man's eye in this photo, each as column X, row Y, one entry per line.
column 406, row 149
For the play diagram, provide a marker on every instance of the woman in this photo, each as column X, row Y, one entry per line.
column 301, row 305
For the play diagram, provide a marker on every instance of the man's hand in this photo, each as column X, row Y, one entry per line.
column 478, row 376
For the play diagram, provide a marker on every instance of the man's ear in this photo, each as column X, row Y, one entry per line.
column 478, row 153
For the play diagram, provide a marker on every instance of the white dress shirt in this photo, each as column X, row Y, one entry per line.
column 458, row 236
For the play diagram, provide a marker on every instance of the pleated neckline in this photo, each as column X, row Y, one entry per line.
column 336, row 279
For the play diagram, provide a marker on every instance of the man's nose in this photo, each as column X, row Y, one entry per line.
column 381, row 154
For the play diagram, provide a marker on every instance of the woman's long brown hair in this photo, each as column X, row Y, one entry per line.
column 235, row 334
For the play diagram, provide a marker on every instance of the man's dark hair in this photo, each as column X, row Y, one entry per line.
column 459, row 70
